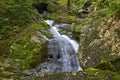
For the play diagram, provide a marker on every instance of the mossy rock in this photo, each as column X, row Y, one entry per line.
column 58, row 76
column 61, row 18
column 54, row 7
column 112, row 65
column 27, row 52
column 62, row 2
column 87, row 74
column 97, row 74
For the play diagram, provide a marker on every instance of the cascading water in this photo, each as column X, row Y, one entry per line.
column 61, row 53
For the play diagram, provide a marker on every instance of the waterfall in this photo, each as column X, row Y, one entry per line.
column 61, row 52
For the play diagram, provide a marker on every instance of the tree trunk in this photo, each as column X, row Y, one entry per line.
column 68, row 4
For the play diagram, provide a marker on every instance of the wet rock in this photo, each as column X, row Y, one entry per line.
column 62, row 57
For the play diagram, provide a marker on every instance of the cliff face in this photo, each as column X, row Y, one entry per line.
column 100, row 43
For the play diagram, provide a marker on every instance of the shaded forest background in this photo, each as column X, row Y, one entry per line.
column 98, row 34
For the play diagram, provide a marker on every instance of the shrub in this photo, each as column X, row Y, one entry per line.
column 16, row 12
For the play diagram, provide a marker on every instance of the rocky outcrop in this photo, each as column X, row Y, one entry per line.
column 99, row 42
column 88, row 74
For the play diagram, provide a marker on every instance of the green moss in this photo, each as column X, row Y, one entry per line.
column 91, row 71
column 97, row 74
column 26, row 52
column 43, row 28
column 4, row 75
column 51, row 16
column 23, row 10
column 57, row 7
column 40, row 25
column 4, row 47
column 77, row 30
column 62, row 1
column 61, row 18
column 69, row 19
column 112, row 64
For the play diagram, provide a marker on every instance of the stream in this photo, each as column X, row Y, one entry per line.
column 62, row 52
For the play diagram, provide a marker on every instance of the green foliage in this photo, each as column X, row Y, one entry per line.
column 27, row 53
column 45, row 1
column 76, row 32
column 103, row 9
column 91, row 71
column 112, row 6
column 6, row 32
column 61, row 18
column 4, row 47
column 7, row 36
column 43, row 28
column 98, row 74
column 112, row 65
column 24, row 51
column 16, row 12
column 62, row 1
column 79, row 3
